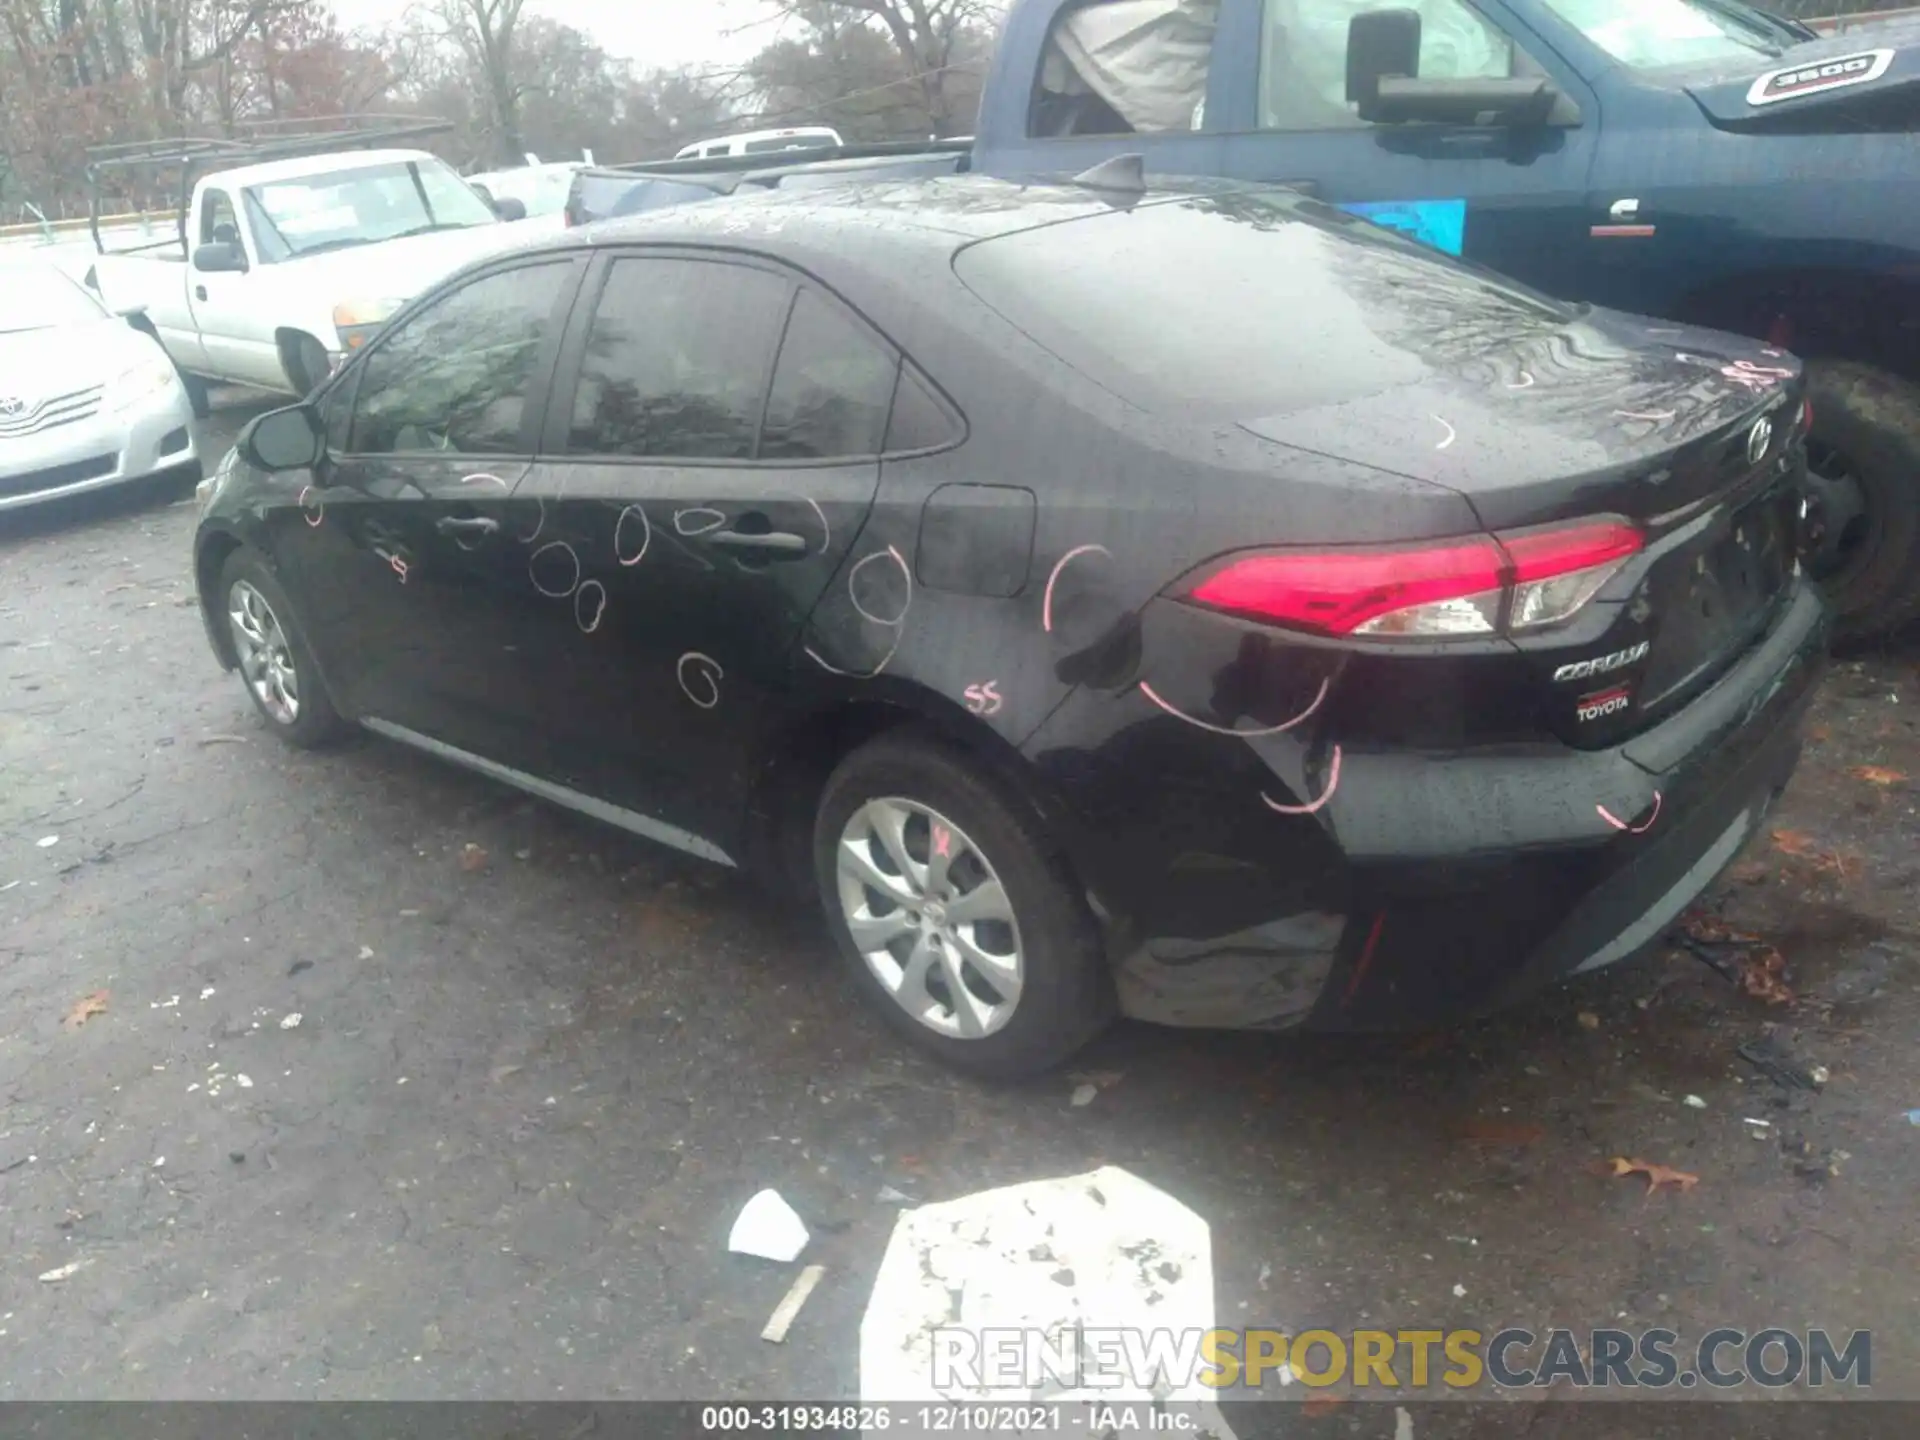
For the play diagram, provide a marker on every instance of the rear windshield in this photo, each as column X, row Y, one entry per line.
column 1237, row 305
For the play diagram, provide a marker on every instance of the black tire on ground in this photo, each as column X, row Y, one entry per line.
column 1067, row 995
column 199, row 395
column 306, row 360
column 1871, row 420
column 317, row 722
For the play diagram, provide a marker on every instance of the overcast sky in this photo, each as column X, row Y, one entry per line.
column 654, row 33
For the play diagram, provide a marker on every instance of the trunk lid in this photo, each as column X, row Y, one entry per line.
column 1692, row 435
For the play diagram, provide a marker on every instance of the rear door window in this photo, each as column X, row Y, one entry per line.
column 832, row 388
column 677, row 360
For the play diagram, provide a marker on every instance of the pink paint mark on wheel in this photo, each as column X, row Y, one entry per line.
column 1178, row 714
column 1617, row 823
column 399, row 567
column 315, row 514
column 1046, row 603
column 1333, row 784
column 943, row 842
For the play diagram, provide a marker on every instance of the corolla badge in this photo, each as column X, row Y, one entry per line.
column 1759, row 440
column 1602, row 665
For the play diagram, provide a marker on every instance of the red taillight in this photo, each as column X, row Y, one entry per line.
column 1341, row 592
column 1517, row 580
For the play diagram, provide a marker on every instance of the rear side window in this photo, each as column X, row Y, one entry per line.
column 1239, row 306
column 831, row 390
column 920, row 421
column 677, row 360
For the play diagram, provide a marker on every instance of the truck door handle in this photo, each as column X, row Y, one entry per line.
column 467, row 525
column 777, row 543
column 199, row 292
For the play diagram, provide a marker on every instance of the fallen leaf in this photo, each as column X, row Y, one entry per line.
column 472, row 858
column 1322, row 1404
column 1877, row 775
column 1500, row 1132
column 1588, row 1020
column 1795, row 842
column 1761, row 976
column 1819, row 734
column 85, row 1008
column 1657, row 1175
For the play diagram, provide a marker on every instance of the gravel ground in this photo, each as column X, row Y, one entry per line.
column 358, row 1121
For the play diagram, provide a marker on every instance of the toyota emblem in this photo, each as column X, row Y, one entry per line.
column 11, row 406
column 1758, row 440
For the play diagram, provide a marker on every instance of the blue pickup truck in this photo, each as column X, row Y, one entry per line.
column 1700, row 160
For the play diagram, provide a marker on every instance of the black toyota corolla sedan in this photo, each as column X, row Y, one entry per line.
column 1199, row 605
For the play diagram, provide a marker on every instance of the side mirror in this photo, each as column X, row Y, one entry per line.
column 510, row 209
column 1381, row 44
column 220, row 257
column 1384, row 84
column 289, row 439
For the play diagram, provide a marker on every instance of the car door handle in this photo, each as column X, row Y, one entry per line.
column 467, row 525
column 778, row 543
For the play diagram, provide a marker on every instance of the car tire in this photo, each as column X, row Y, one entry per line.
column 274, row 659
column 1065, row 993
column 1866, row 426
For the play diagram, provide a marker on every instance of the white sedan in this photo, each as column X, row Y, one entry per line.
column 86, row 399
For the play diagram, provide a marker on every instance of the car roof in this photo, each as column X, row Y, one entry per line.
column 932, row 211
column 304, row 166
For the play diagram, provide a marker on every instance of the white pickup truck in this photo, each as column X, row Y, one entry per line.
column 286, row 267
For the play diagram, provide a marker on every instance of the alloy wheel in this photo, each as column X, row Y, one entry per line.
column 1840, row 526
column 930, row 917
column 266, row 659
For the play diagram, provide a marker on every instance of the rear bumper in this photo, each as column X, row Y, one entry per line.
column 1431, row 887
column 152, row 437
column 1436, row 943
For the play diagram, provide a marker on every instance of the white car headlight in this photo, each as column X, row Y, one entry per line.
column 358, row 321
column 152, row 376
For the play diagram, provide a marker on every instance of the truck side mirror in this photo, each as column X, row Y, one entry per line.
column 510, row 208
column 1384, row 84
column 221, row 257
column 288, row 439
column 1380, row 44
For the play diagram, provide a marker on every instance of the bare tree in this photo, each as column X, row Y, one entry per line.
column 487, row 32
column 929, row 35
